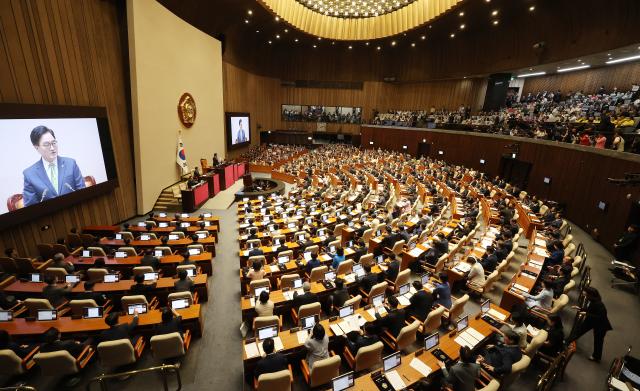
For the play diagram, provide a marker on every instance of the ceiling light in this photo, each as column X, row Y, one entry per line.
column 246, row 20
column 574, row 68
column 623, row 59
column 452, row 35
column 319, row 38
column 295, row 40
column 461, row 13
column 495, row 22
column 277, row 19
column 277, row 36
column 269, row 42
column 393, row 43
column 532, row 8
column 430, row 26
column 350, row 47
column 488, row 1
column 366, row 43
column 378, row 48
column 333, row 43
column 413, row 44
column 250, row 12
column 315, row 46
column 286, row 30
column 532, row 74
column 494, row 13
column 462, row 26
column 423, row 37
column 354, row 8
column 257, row 31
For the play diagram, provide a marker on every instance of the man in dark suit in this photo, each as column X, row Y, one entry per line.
column 117, row 331
column 171, row 322
column 183, row 284
column 272, row 362
column 368, row 280
column 421, row 303
column 306, row 298
column 624, row 247
column 55, row 294
column 149, row 260
column 52, row 175
column 394, row 321
column 312, row 263
column 53, row 343
column 89, row 294
column 355, row 341
column 392, row 270
column 339, row 296
column 140, row 287
column 499, row 359
column 489, row 260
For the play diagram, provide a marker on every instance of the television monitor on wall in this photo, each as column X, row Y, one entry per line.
column 238, row 130
column 54, row 156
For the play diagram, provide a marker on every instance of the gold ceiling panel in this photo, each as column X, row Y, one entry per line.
column 406, row 18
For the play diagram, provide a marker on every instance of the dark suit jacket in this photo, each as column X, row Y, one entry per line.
column 172, row 326
column 184, row 285
column 142, row 289
column 339, row 297
column 597, row 317
column 305, row 298
column 394, row 321
column 38, row 187
column 120, row 331
column 274, row 362
column 393, row 270
column 489, row 263
column 361, row 341
column 150, row 260
column 255, row 252
column 421, row 303
column 312, row 264
column 368, row 281
column 99, row 298
column 74, row 348
column 54, row 294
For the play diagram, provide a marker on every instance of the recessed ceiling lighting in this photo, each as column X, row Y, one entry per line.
column 579, row 60
column 393, row 43
column 333, row 43
column 367, row 43
column 315, row 46
column 430, row 26
column 425, row 37
column 531, row 69
column 495, row 22
column 246, row 20
column 277, row 36
column 286, row 30
column 250, row 12
column 269, row 42
column 295, row 40
column 461, row 13
column 464, row 77
column 532, row 74
column 452, row 35
column 494, row 13
column 488, row 1
column 378, row 48
column 257, row 31
column 413, row 44
column 350, row 47
column 277, row 19
column 532, row 8
column 462, row 26
column 623, row 59
column 319, row 38
column 573, row 68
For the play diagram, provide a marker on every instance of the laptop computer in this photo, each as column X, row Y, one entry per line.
column 109, row 278
column 431, row 341
column 150, row 276
column 258, row 290
column 6, row 316
column 345, row 311
column 267, row 332
column 91, row 312
column 391, row 362
column 194, row 251
column 44, row 315
column 178, row 304
column 343, row 382
column 141, row 308
column 71, row 279
column 36, row 277
column 308, row 322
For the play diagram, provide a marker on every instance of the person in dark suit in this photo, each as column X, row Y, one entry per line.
column 394, row 321
column 149, row 260
column 312, row 263
column 306, row 298
column 421, row 303
column 393, row 270
column 368, row 280
column 58, row 261
column 140, row 287
column 186, row 259
column 255, row 252
column 118, row 331
column 489, row 260
column 183, row 284
column 52, row 175
column 6, row 343
column 596, row 319
column 171, row 322
column 355, row 340
column 53, row 343
column 499, row 359
column 624, row 247
column 272, row 362
column 55, row 294
column 89, row 294
column 339, row 296
column 442, row 291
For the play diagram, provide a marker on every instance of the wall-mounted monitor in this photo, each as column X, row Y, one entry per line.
column 54, row 156
column 547, row 180
column 602, row 206
column 238, row 130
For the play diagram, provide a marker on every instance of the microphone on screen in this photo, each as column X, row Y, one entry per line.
column 69, row 186
column 44, row 193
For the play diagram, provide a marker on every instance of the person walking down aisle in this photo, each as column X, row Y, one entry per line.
column 596, row 319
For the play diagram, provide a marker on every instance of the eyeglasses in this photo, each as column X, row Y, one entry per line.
column 54, row 143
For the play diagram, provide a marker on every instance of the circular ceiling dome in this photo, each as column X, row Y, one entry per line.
column 354, row 8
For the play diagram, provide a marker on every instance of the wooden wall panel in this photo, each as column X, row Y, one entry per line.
column 263, row 97
column 69, row 52
column 588, row 81
column 579, row 174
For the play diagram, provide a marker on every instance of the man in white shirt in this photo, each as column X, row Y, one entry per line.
column 476, row 274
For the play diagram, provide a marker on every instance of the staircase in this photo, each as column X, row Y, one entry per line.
column 168, row 202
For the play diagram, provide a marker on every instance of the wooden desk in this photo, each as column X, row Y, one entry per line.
column 192, row 319
column 195, row 197
column 208, row 242
column 101, row 230
column 168, row 263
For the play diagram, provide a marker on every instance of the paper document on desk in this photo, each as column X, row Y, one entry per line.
column 529, row 276
column 288, row 295
column 243, row 226
column 421, row 367
column 302, row 335
column 495, row 314
column 463, row 267
column 535, row 264
column 395, row 380
column 252, row 301
column 541, row 252
column 415, row 252
column 335, row 328
column 540, row 242
column 350, row 278
column 475, row 333
column 619, row 385
column 251, row 350
column 521, row 287
column 460, row 340
column 274, row 268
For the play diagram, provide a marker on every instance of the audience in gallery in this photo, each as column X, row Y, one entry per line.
column 271, row 154
column 601, row 119
column 344, row 115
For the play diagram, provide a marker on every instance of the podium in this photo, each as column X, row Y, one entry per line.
column 193, row 198
column 226, row 174
column 213, row 181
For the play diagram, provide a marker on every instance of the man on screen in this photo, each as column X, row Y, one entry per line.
column 241, row 137
column 52, row 175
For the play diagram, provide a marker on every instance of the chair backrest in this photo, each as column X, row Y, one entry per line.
column 398, row 247
column 166, row 250
column 60, row 248
column 275, row 381
column 180, row 295
column 77, row 306
column 259, row 283
column 567, row 240
column 337, row 231
column 366, row 259
column 491, row 279
column 186, row 267
column 313, row 249
column 74, row 240
column 345, row 267
column 317, row 273
column 8, row 265
column 433, row 321
column 259, row 258
column 571, row 248
column 116, row 353
column 516, row 369
column 57, row 272
column 131, row 252
column 570, row 285
column 366, row 235
column 335, row 243
column 142, row 270
column 510, row 256
column 179, row 233
column 45, row 250
column 559, row 303
column 133, row 299
column 493, row 385
column 58, row 363
column 402, row 278
column 407, row 335
column 286, row 281
column 355, row 301
column 440, row 264
column 10, row 363
column 536, row 342
column 254, row 242
column 378, row 289
column 282, row 239
column 457, row 308
column 502, row 266
column 126, row 235
column 309, row 310
column 97, row 251
column 264, row 321
column 166, row 346
column 369, row 356
column 324, row 370
column 33, row 305
column 151, row 222
column 287, row 253
column 96, row 274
